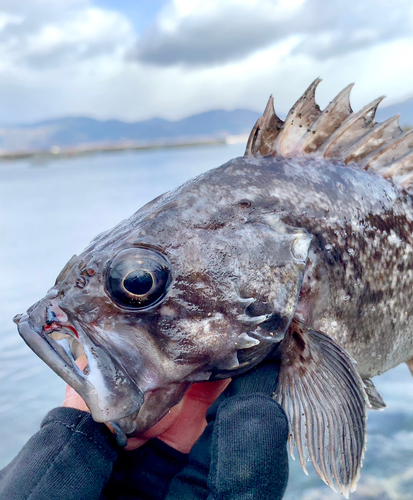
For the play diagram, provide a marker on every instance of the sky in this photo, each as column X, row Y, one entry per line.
column 137, row 59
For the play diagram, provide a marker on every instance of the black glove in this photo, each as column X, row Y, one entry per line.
column 242, row 453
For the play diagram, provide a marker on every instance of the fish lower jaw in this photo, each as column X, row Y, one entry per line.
column 68, row 347
column 107, row 390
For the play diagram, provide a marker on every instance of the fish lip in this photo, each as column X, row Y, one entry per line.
column 109, row 393
column 42, row 346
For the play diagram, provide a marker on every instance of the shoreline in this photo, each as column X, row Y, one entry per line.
column 75, row 151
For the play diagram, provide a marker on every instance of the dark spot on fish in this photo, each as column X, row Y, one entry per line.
column 370, row 296
column 399, row 224
column 244, row 204
column 317, row 274
column 377, row 255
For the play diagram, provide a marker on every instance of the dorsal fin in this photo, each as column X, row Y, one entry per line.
column 387, row 155
column 299, row 119
column 336, row 133
column 357, row 125
column 379, row 135
column 265, row 131
column 328, row 122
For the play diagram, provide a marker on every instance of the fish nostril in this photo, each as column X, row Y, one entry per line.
column 50, row 316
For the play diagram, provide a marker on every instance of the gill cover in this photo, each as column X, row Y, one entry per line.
column 270, row 267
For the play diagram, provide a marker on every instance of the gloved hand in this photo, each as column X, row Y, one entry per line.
column 242, row 453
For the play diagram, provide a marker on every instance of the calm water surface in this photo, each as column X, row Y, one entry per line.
column 49, row 211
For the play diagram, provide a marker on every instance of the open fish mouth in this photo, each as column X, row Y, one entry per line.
column 69, row 347
column 107, row 390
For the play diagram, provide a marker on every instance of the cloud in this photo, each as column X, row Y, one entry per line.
column 47, row 36
column 55, row 56
column 69, row 58
column 217, row 32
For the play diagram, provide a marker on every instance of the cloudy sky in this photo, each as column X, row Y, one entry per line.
column 136, row 59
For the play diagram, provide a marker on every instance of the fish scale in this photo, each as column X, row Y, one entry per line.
column 301, row 248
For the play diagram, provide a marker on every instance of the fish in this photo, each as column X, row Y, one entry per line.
column 302, row 250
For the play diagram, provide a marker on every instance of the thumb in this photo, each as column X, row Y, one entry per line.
column 72, row 398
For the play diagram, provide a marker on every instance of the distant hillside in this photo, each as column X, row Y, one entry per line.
column 404, row 107
column 80, row 131
column 66, row 132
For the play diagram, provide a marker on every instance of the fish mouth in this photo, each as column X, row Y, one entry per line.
column 107, row 390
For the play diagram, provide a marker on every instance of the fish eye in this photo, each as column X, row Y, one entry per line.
column 138, row 277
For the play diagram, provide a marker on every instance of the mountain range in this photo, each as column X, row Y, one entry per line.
column 403, row 107
column 67, row 132
column 81, row 131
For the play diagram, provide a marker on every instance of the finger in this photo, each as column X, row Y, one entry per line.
column 191, row 423
column 205, row 393
column 72, row 398
column 185, row 422
column 158, row 429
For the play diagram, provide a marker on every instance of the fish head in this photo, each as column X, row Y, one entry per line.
column 186, row 290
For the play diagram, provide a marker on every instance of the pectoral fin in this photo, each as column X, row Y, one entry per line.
column 375, row 400
column 326, row 403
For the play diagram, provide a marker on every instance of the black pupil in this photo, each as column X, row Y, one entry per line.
column 138, row 282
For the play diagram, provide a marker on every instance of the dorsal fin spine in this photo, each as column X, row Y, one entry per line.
column 399, row 167
column 299, row 119
column 335, row 133
column 265, row 131
column 378, row 159
column 329, row 120
column 338, row 136
column 374, row 139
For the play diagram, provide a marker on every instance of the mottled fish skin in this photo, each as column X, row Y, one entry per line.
column 226, row 307
column 306, row 254
column 357, row 284
column 359, row 278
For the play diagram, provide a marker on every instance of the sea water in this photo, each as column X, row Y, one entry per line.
column 50, row 210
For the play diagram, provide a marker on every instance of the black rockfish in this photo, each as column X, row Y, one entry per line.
column 304, row 245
